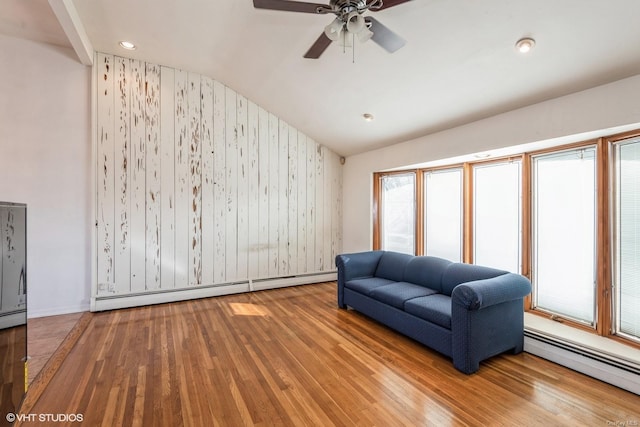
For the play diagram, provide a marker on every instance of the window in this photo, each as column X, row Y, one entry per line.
column 627, row 238
column 497, row 189
column 398, row 213
column 443, row 214
column 564, row 233
column 567, row 217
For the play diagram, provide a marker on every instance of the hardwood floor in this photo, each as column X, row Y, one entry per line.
column 291, row 357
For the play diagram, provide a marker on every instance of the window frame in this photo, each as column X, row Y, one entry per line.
column 591, row 144
column 610, row 144
column 604, row 182
column 521, row 195
column 423, row 201
column 377, row 205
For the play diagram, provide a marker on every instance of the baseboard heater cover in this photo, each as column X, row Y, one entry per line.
column 602, row 366
column 161, row 296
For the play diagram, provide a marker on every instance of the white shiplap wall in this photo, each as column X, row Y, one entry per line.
column 197, row 186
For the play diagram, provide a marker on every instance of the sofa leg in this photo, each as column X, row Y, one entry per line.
column 466, row 366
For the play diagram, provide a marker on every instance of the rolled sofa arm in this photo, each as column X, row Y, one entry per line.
column 484, row 293
column 360, row 264
column 352, row 266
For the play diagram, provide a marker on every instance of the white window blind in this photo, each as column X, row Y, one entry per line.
column 443, row 214
column 398, row 213
column 564, row 198
column 628, row 238
column 497, row 193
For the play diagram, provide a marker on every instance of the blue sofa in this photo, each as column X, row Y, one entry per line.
column 464, row 311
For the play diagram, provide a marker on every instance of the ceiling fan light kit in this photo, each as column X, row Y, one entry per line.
column 349, row 21
column 334, row 29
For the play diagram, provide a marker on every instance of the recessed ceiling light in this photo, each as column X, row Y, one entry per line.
column 127, row 45
column 368, row 117
column 481, row 155
column 524, row 45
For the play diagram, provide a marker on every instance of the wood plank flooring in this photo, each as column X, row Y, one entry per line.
column 291, row 357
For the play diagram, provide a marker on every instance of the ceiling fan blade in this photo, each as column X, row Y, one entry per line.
column 292, row 6
column 383, row 36
column 318, row 47
column 386, row 4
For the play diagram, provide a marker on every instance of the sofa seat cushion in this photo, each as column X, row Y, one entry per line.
column 366, row 285
column 435, row 308
column 396, row 294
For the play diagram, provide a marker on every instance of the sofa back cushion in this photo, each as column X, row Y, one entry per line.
column 391, row 266
column 457, row 273
column 426, row 271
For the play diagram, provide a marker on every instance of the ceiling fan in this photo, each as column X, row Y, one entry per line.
column 349, row 21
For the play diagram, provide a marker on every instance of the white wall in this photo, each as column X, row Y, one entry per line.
column 598, row 109
column 45, row 158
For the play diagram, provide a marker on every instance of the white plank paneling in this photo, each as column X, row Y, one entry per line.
column 152, row 171
column 105, row 171
column 138, row 178
column 302, row 202
column 167, row 178
column 311, row 202
column 293, row 202
column 264, row 188
column 122, row 152
column 336, row 211
column 253, row 156
column 195, row 182
column 181, row 190
column 196, row 185
column 273, row 196
column 219, row 181
column 206, row 135
column 327, row 208
column 231, row 169
column 319, row 265
column 243, row 187
column 283, row 198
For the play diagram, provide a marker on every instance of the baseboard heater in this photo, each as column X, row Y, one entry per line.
column 161, row 296
column 600, row 365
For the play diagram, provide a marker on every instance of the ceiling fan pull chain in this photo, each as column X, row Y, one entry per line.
column 353, row 49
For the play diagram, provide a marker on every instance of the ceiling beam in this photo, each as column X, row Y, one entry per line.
column 70, row 21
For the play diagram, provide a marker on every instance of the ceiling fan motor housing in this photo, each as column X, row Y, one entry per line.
column 342, row 8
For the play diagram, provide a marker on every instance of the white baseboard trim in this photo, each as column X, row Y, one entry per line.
column 604, row 367
column 57, row 311
column 260, row 285
column 174, row 295
column 164, row 296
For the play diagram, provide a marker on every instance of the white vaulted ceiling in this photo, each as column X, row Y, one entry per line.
column 459, row 63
